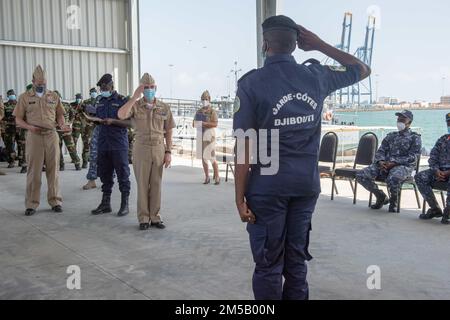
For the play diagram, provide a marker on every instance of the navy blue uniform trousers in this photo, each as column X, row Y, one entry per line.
column 107, row 163
column 279, row 241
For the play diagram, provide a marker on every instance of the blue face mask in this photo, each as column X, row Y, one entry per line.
column 149, row 94
column 78, row 101
column 12, row 98
column 94, row 95
column 106, row 94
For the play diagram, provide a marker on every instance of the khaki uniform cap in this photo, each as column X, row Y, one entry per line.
column 147, row 80
column 39, row 74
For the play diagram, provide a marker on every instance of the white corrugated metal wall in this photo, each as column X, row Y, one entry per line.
column 76, row 41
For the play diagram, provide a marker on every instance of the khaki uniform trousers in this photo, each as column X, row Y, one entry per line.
column 42, row 149
column 148, row 164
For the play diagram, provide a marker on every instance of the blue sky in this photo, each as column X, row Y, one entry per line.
column 202, row 39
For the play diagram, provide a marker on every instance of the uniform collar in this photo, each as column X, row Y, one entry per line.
column 406, row 131
column 280, row 58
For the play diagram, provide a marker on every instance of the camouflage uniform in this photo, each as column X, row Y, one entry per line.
column 79, row 130
column 86, row 134
column 403, row 148
column 2, row 114
column 67, row 138
column 92, row 172
column 439, row 160
column 11, row 133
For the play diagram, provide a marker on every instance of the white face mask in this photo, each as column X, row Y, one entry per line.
column 401, row 126
column 205, row 103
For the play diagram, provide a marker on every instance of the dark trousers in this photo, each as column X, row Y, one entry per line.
column 279, row 241
column 110, row 161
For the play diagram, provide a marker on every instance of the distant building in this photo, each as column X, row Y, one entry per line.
column 445, row 100
column 388, row 100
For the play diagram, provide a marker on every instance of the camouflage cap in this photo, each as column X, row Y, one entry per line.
column 405, row 113
column 147, row 80
column 206, row 95
column 57, row 92
column 39, row 74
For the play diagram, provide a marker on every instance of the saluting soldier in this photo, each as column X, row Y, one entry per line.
column 285, row 99
column 67, row 139
column 40, row 112
column 153, row 123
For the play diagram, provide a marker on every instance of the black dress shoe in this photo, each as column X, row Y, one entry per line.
column 144, row 226
column 62, row 168
column 57, row 209
column 30, row 212
column 158, row 225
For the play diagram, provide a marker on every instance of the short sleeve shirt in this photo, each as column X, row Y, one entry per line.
column 286, row 99
column 151, row 121
column 39, row 111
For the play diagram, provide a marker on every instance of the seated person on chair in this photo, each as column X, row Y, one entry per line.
column 439, row 172
column 394, row 162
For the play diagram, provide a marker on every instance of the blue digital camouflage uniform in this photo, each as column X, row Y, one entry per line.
column 403, row 148
column 439, row 160
column 288, row 98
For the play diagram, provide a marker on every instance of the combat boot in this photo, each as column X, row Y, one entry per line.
column 62, row 167
column 77, row 167
column 104, row 207
column 90, row 185
column 393, row 204
column 382, row 200
column 24, row 170
column 431, row 214
column 446, row 217
column 85, row 165
column 124, row 208
column 11, row 165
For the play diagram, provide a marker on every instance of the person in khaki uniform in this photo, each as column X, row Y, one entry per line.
column 40, row 111
column 153, row 124
column 2, row 114
column 206, row 120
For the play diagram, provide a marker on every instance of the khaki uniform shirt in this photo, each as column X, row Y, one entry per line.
column 37, row 111
column 207, row 115
column 151, row 122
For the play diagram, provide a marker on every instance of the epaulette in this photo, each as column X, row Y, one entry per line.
column 246, row 75
column 311, row 61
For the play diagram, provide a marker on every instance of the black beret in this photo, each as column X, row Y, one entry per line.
column 279, row 23
column 10, row 92
column 106, row 79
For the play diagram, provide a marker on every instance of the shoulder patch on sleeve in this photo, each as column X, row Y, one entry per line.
column 237, row 105
column 246, row 75
column 337, row 68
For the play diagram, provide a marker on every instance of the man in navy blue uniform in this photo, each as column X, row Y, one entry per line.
column 112, row 147
column 286, row 99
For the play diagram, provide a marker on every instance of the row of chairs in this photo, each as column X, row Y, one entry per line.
column 365, row 156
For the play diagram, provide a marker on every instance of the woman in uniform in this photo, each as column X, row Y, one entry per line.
column 206, row 120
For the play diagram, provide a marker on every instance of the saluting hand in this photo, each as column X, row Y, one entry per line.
column 307, row 40
column 246, row 214
column 138, row 93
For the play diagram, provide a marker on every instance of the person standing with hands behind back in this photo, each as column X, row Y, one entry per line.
column 278, row 207
column 153, row 123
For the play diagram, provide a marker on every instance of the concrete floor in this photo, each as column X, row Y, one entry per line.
column 204, row 252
